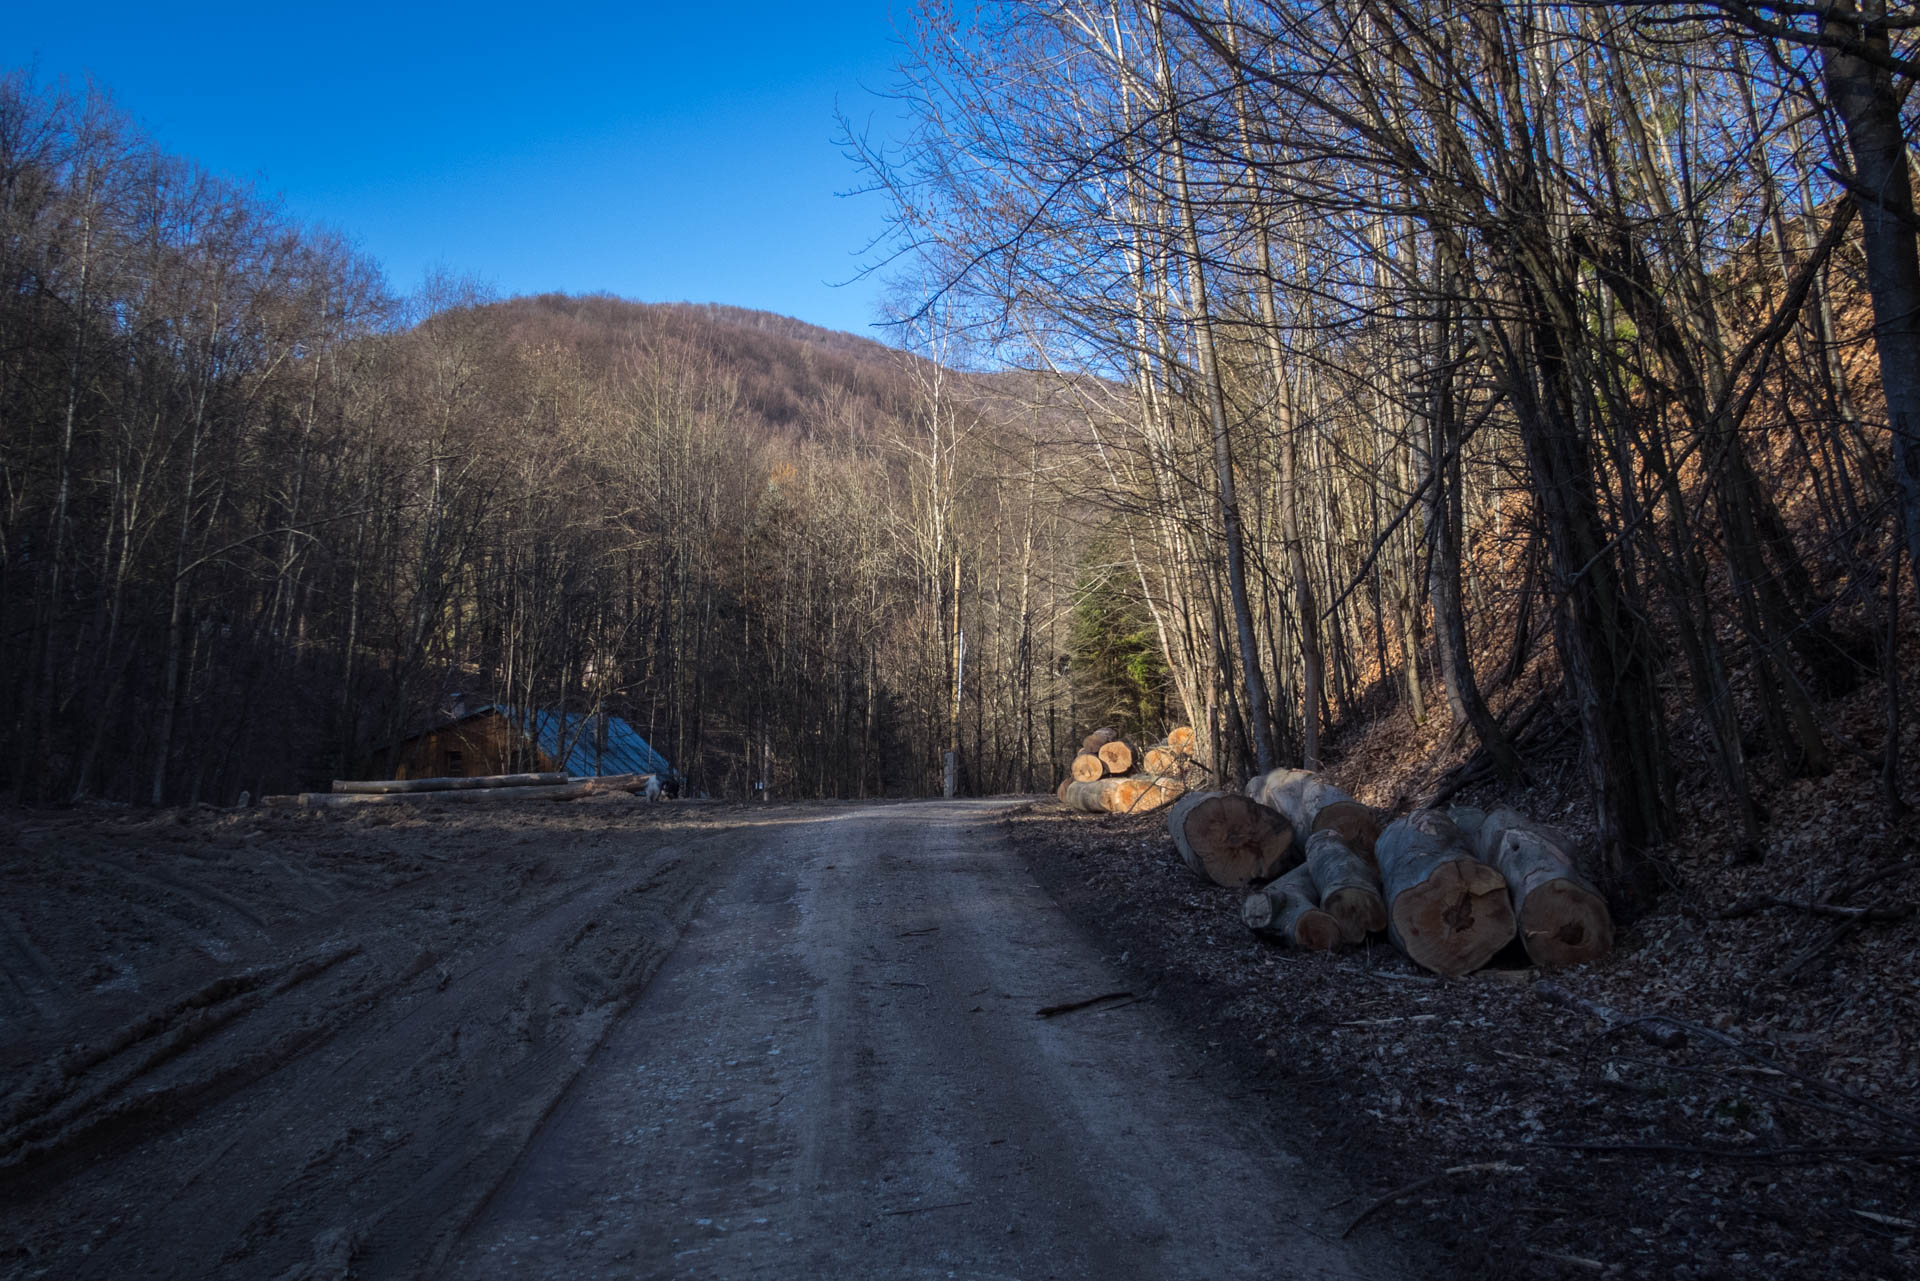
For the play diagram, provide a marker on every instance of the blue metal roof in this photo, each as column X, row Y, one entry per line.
column 625, row 751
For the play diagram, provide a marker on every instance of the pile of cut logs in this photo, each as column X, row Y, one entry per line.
column 486, row 787
column 1448, row 889
column 1111, row 776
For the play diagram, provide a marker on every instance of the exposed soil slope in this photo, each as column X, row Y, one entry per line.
column 265, row 1045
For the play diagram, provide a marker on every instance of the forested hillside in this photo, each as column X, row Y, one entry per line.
column 1533, row 378
column 1545, row 370
column 262, row 517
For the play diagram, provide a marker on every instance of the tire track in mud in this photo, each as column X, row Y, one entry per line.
column 354, row 1101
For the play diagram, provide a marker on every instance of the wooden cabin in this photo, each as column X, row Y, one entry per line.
column 497, row 739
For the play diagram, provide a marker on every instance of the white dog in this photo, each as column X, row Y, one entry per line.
column 653, row 789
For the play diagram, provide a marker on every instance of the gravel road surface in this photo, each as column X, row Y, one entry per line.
column 841, row 1072
column 607, row 1041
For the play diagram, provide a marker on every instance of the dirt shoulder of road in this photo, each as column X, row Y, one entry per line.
column 1777, row 1137
column 260, row 1043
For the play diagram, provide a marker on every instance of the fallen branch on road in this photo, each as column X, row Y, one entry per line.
column 1480, row 1167
column 1050, row 1011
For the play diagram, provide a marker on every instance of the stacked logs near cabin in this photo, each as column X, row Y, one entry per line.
column 1104, row 778
column 1450, row 891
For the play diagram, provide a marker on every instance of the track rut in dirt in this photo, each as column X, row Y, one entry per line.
column 241, row 1045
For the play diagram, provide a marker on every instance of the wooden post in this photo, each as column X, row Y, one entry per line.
column 952, row 787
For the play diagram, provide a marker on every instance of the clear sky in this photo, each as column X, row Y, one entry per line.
column 658, row 151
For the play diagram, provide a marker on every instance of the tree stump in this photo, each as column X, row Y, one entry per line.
column 1230, row 839
column 1446, row 910
column 1347, row 885
column 1285, row 909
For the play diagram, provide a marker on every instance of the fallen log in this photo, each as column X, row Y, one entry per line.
column 1117, row 756
column 383, row 786
column 1347, row 886
column 616, row 782
column 1312, row 804
column 1098, row 739
column 1562, row 918
column 1446, row 910
column 335, row 800
column 1061, row 791
column 570, row 790
column 1285, row 909
column 1088, row 768
column 1229, row 839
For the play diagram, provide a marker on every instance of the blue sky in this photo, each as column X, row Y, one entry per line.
column 661, row 152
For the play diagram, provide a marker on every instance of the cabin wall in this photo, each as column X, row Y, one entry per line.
column 482, row 745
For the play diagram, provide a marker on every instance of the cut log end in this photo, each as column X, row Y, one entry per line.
column 1117, row 756
column 1317, row 931
column 1356, row 824
column 1088, row 768
column 1257, row 911
column 1563, row 918
column 1358, row 911
column 1231, row 840
column 1180, row 739
column 1163, row 760
column 1292, row 914
column 1562, row 923
column 1456, row 919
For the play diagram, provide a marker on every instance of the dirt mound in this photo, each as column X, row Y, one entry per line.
column 282, row 1045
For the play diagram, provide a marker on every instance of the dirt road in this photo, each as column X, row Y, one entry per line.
column 469, row 1067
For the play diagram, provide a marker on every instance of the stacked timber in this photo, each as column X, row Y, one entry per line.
column 1447, row 910
column 1449, row 891
column 1312, row 804
column 1562, row 918
column 1287, row 909
column 1112, row 776
column 1230, row 839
